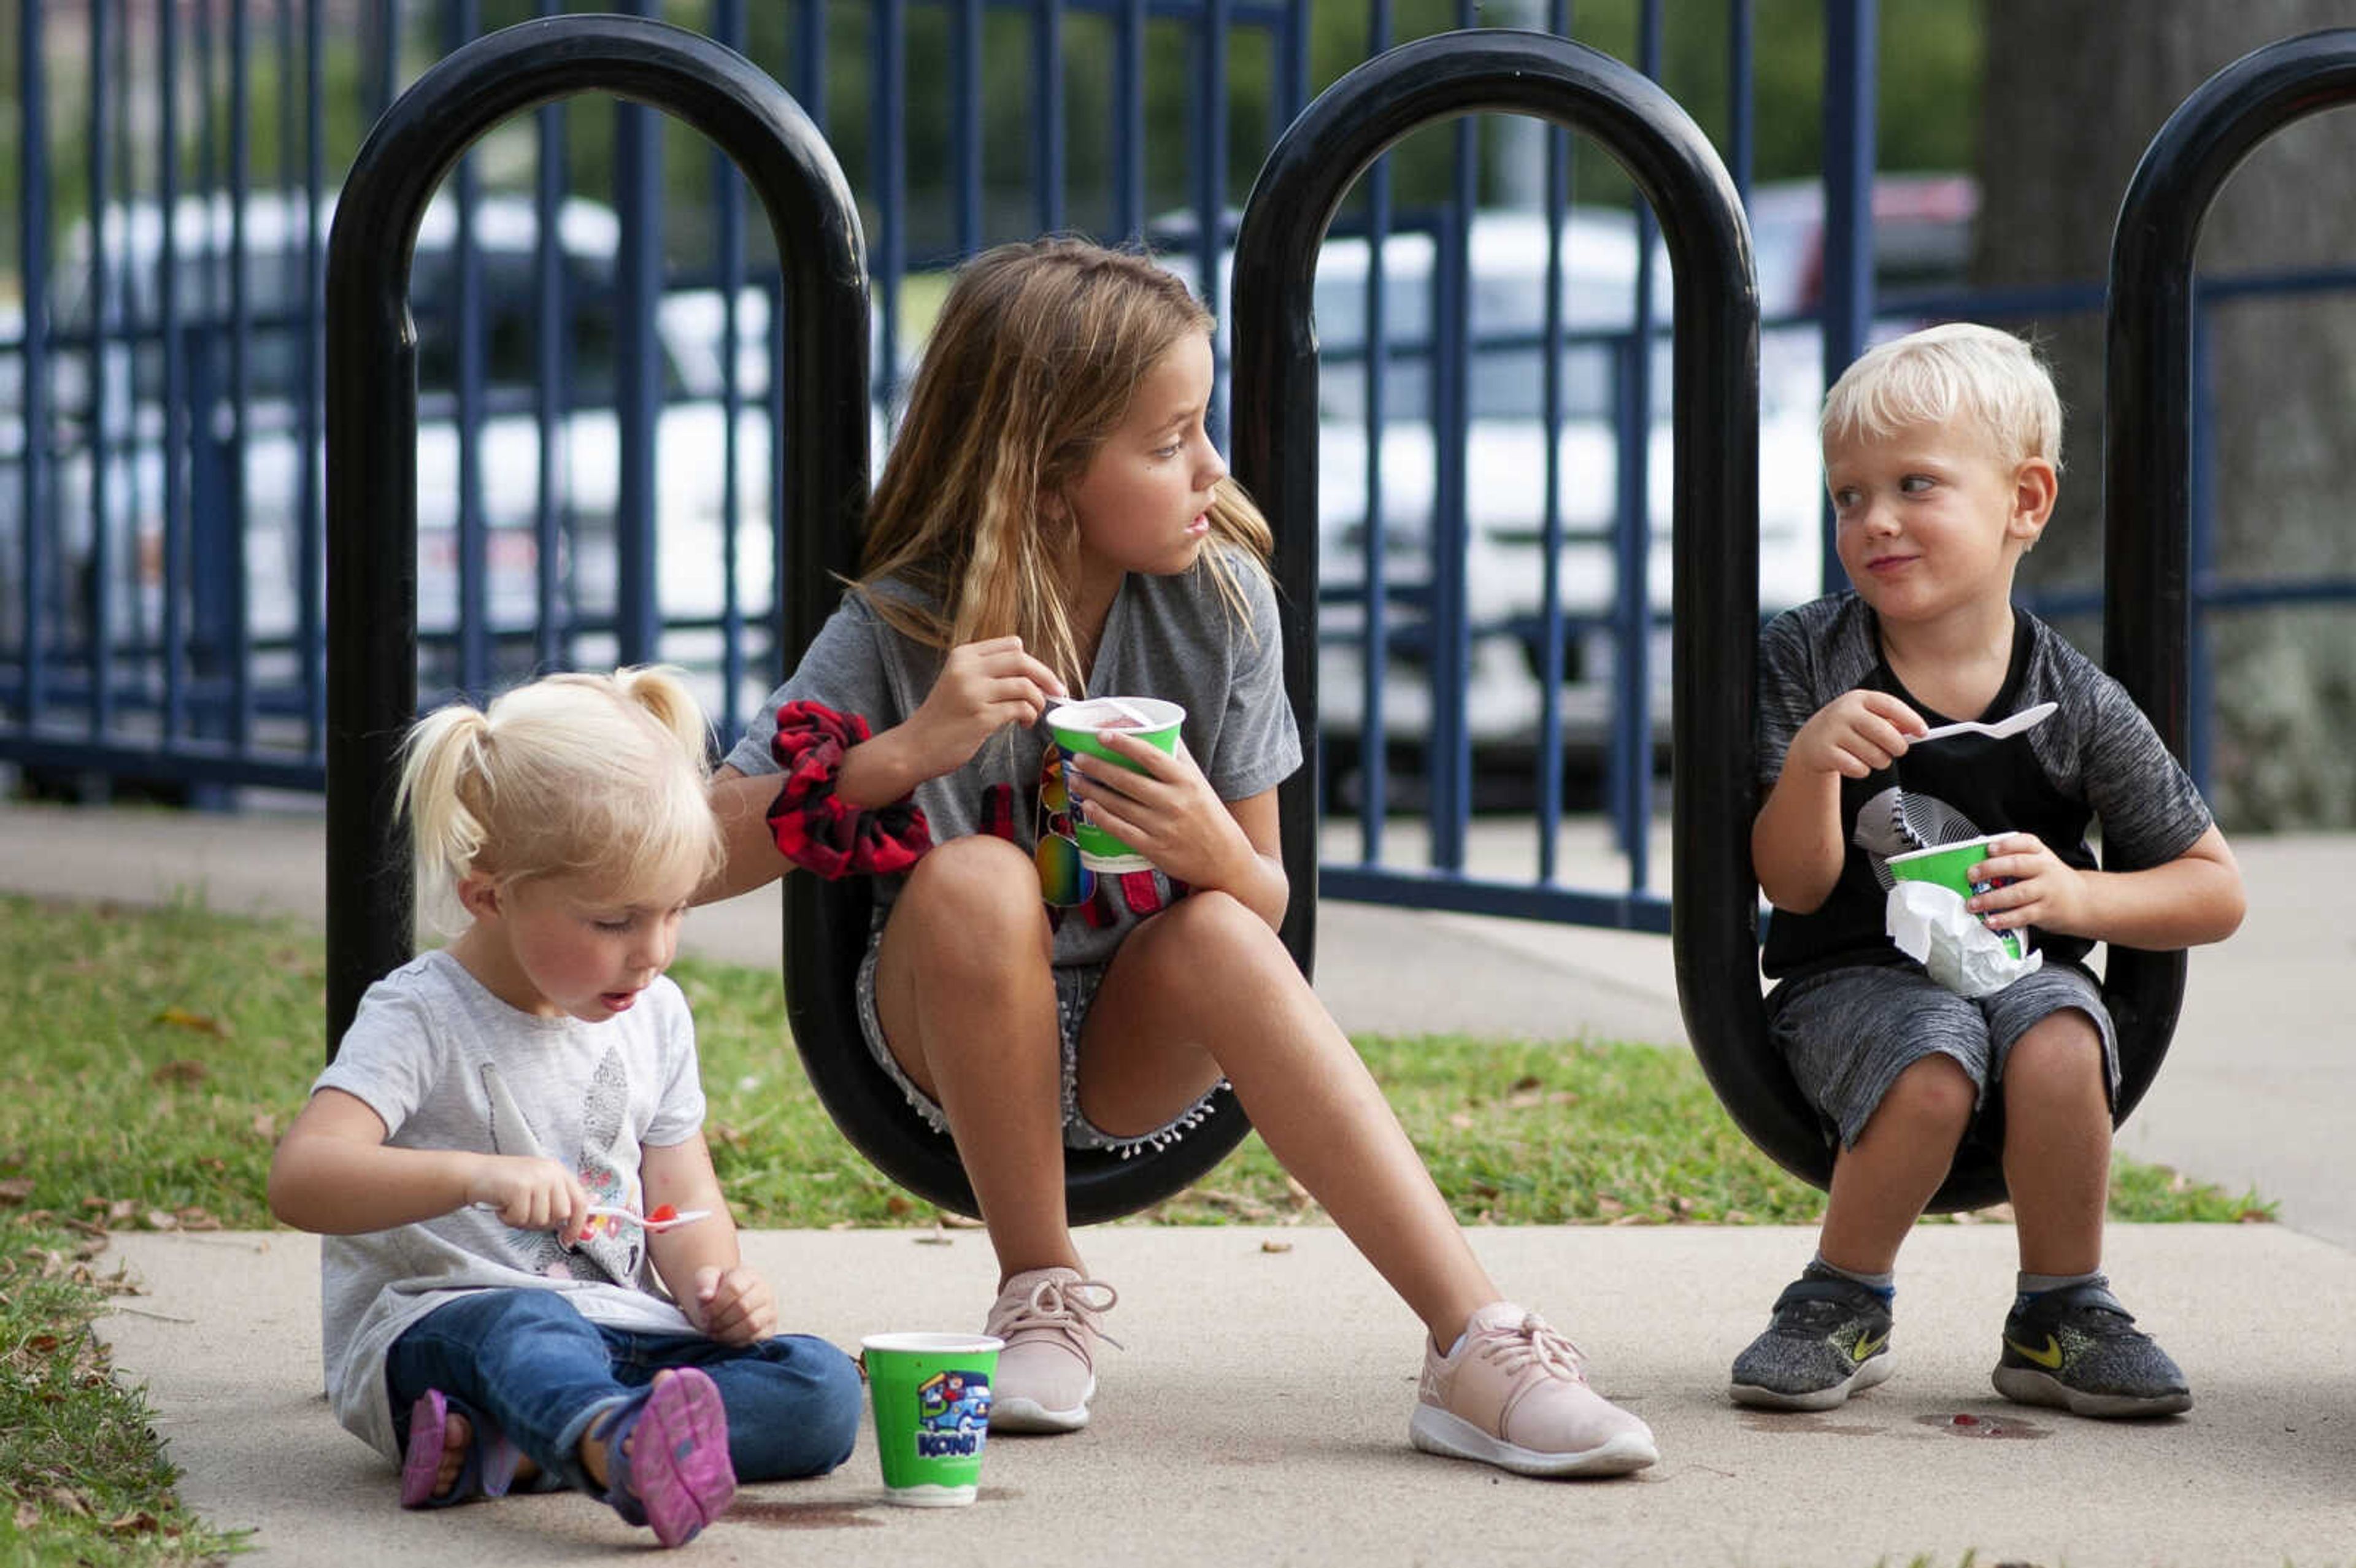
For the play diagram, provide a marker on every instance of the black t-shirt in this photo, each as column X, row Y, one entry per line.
column 2097, row 758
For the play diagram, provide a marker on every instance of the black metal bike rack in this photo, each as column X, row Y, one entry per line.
column 2148, row 494
column 823, row 464
column 371, row 426
column 1714, row 923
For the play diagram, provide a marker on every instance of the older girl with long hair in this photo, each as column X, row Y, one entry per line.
column 1054, row 521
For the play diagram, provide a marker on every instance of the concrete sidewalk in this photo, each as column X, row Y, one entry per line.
column 1258, row 1414
column 1298, row 1453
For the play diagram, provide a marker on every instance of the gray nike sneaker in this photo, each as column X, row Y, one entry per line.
column 1829, row 1338
column 2076, row 1349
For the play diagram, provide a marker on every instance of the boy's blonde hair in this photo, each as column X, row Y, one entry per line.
column 1935, row 375
column 1030, row 367
column 597, row 777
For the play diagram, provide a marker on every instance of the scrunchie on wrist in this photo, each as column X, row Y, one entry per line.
column 816, row 831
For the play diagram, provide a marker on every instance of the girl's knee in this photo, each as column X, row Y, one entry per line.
column 805, row 1420
column 977, row 881
column 1212, row 926
column 480, row 1315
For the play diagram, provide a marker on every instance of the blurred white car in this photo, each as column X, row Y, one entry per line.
column 1505, row 490
column 1922, row 238
column 128, row 403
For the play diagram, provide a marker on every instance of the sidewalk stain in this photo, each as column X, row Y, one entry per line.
column 1964, row 1423
column 800, row 1516
column 1807, row 1421
column 777, row 1514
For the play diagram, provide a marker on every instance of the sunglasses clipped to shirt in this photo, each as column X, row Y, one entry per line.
column 1063, row 881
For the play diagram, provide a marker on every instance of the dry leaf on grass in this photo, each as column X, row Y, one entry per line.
column 16, row 1190
column 179, row 1073
column 202, row 1023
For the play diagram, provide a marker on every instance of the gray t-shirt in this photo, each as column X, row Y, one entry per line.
column 447, row 1065
column 2096, row 758
column 1170, row 637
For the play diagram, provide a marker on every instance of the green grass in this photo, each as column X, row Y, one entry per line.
column 155, row 1055
column 82, row 1478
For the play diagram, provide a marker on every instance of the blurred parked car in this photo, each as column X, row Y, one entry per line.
column 1923, row 238
column 122, row 413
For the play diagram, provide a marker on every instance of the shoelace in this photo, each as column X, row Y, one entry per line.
column 1533, row 1339
column 1059, row 1305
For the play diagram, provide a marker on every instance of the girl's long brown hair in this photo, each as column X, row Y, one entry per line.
column 1039, row 349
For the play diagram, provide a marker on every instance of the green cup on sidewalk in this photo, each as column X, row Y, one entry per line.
column 931, row 1396
column 1077, row 727
column 1955, row 868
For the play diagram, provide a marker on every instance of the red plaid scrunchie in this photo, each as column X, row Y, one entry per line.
column 818, row 832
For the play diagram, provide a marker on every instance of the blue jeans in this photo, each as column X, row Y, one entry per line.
column 534, row 1367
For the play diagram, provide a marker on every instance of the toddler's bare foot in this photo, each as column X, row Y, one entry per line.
column 452, row 1455
column 457, row 1434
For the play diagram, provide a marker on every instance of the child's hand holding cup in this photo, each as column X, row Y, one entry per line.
column 1956, row 867
column 1077, row 727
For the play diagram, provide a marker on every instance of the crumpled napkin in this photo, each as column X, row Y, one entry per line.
column 1931, row 925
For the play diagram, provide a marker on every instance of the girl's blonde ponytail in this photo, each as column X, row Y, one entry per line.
column 600, row 777
column 446, row 791
column 659, row 690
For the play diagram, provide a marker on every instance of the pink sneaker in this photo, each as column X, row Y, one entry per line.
column 1515, row 1395
column 1046, row 1374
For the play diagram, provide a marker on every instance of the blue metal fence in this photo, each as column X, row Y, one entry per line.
column 602, row 413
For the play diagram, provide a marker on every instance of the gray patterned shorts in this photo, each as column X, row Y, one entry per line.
column 1075, row 991
column 1849, row 1033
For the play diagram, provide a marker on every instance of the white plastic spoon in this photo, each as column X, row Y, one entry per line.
column 610, row 1211
column 2027, row 719
column 685, row 1217
column 1115, row 703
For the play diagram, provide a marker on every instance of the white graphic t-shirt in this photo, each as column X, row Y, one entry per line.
column 447, row 1065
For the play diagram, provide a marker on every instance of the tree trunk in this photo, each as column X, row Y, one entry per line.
column 2072, row 93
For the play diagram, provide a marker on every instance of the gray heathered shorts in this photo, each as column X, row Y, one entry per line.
column 1849, row 1033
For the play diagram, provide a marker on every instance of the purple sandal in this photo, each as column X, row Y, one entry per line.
column 487, row 1470
column 679, row 1478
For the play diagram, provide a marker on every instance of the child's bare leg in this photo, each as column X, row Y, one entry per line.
column 2057, row 1144
column 1881, row 1182
column 1161, row 1032
column 967, row 998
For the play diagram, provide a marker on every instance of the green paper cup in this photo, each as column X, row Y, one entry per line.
column 1953, row 866
column 1077, row 726
column 931, row 1394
